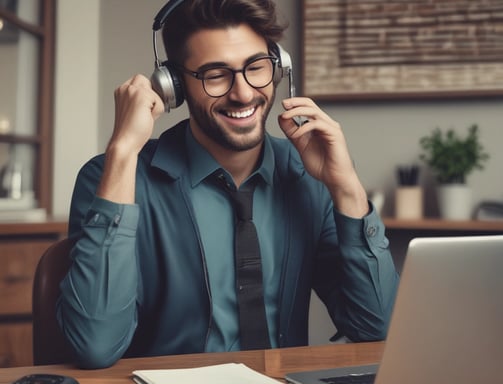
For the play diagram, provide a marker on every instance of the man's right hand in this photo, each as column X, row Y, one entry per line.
column 137, row 106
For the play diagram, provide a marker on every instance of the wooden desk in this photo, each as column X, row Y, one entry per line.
column 274, row 363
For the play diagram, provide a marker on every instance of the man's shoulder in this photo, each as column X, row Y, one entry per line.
column 166, row 152
column 290, row 168
column 171, row 137
column 287, row 159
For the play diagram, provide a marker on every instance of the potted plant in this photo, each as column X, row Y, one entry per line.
column 452, row 158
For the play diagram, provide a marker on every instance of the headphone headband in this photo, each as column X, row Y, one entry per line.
column 163, row 14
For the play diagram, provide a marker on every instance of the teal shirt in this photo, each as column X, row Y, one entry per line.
column 156, row 277
column 210, row 202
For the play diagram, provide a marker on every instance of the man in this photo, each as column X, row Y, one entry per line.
column 153, row 269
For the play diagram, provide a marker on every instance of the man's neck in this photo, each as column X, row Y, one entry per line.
column 239, row 164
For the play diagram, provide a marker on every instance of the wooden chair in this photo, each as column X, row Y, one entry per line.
column 49, row 344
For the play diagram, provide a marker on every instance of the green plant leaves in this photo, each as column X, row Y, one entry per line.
column 451, row 157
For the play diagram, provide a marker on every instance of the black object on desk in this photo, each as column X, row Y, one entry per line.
column 44, row 378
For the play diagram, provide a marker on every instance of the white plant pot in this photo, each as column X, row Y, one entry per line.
column 455, row 201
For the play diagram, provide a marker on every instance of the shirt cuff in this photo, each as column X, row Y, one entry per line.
column 368, row 230
column 104, row 212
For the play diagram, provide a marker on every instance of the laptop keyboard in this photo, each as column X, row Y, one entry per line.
column 366, row 378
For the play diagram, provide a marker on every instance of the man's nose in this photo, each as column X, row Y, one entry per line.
column 241, row 90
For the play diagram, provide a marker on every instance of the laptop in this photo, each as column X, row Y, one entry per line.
column 447, row 322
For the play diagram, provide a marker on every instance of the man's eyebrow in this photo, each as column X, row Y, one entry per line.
column 220, row 64
column 214, row 64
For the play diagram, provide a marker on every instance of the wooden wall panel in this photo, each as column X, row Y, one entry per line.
column 394, row 48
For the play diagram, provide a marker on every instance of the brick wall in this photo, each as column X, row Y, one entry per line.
column 354, row 46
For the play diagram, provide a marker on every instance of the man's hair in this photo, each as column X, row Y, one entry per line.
column 193, row 15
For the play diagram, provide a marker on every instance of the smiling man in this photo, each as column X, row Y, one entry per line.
column 155, row 264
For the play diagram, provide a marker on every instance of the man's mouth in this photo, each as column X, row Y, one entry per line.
column 242, row 114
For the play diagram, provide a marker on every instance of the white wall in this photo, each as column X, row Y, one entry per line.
column 382, row 135
column 102, row 44
column 76, row 123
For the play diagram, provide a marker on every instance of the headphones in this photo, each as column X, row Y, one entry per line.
column 166, row 80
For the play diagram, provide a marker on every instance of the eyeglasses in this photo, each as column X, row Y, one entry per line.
column 218, row 81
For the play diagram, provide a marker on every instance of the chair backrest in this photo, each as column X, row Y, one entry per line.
column 49, row 344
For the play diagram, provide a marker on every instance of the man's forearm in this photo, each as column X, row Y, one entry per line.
column 118, row 180
column 351, row 202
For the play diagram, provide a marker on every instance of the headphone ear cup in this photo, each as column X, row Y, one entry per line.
column 283, row 66
column 278, row 73
column 167, row 84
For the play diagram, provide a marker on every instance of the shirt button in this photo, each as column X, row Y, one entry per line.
column 371, row 231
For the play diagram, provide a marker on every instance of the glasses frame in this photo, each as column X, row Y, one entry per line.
column 199, row 75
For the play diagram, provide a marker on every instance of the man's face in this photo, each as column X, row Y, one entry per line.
column 236, row 120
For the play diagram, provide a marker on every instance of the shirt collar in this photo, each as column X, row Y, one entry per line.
column 202, row 163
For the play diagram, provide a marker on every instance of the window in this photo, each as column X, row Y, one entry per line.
column 26, row 103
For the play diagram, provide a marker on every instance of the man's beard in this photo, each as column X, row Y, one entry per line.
column 210, row 127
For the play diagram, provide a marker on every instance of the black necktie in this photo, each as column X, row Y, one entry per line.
column 249, row 290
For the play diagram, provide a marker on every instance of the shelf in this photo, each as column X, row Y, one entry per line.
column 50, row 226
column 19, row 139
column 444, row 225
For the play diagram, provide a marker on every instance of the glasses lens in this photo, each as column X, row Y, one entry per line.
column 217, row 81
column 259, row 73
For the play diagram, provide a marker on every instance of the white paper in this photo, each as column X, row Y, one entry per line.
column 231, row 373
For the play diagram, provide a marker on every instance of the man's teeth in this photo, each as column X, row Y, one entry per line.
column 240, row 114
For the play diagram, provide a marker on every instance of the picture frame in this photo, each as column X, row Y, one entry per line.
column 416, row 49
